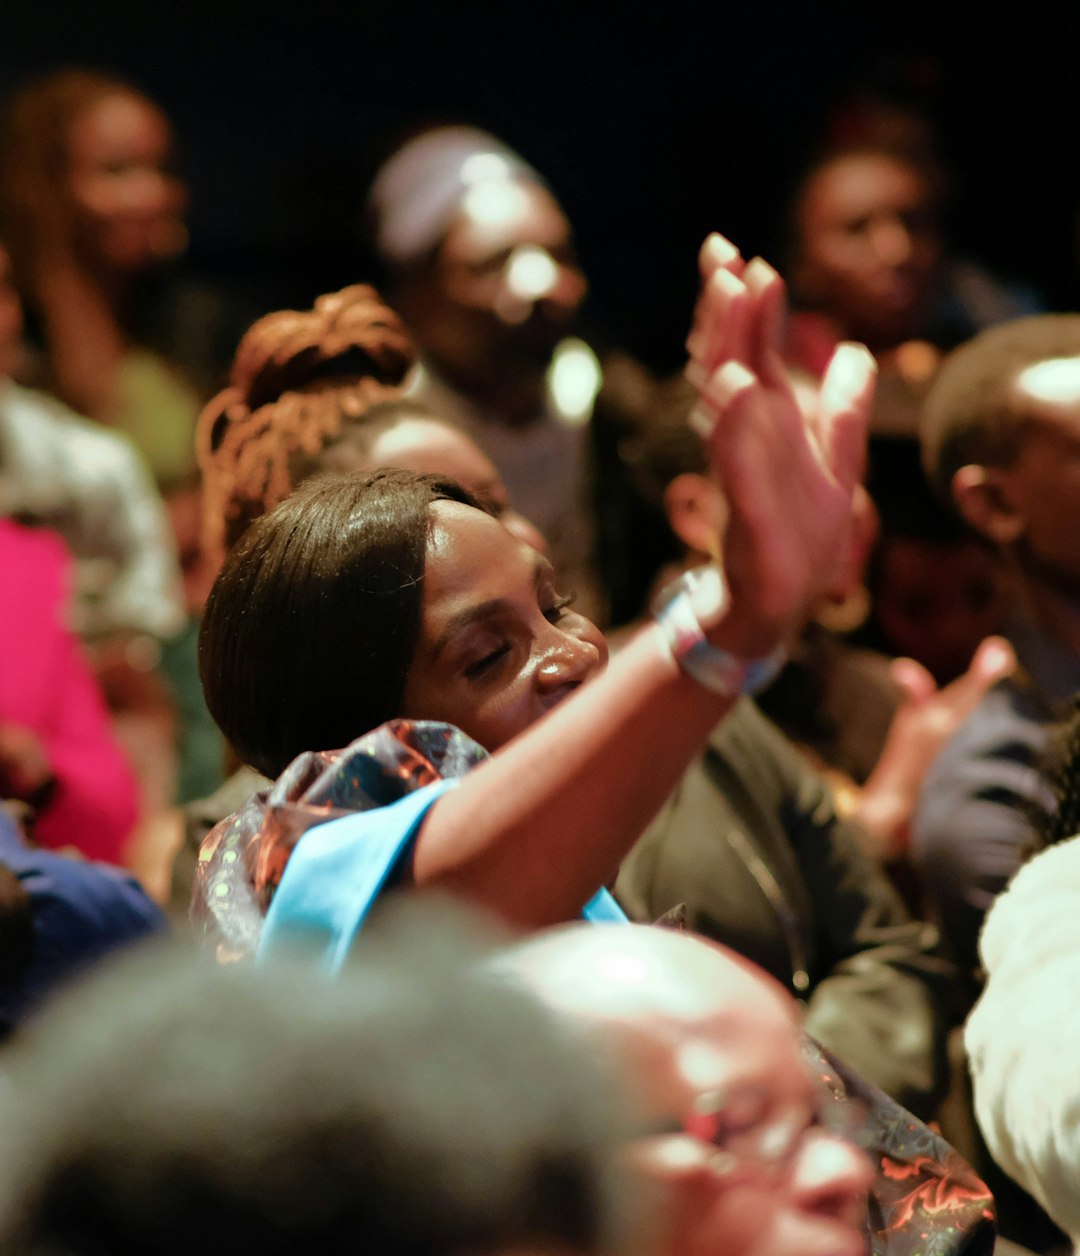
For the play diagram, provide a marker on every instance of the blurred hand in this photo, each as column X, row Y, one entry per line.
column 925, row 719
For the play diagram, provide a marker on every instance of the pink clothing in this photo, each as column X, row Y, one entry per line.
column 46, row 686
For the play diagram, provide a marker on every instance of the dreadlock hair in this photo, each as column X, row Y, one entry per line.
column 35, row 215
column 298, row 377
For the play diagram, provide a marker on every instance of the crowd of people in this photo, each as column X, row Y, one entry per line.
column 574, row 796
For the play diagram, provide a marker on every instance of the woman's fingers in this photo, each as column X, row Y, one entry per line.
column 718, row 253
column 768, row 308
column 843, row 414
column 723, row 333
column 993, row 661
column 717, row 256
column 739, row 316
column 788, row 479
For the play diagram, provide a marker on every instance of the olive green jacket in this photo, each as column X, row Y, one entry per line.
column 751, row 843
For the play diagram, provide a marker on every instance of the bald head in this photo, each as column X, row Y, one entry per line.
column 691, row 1016
column 712, row 1049
column 625, row 973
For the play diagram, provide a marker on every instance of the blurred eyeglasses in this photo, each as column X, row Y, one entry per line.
column 748, row 1134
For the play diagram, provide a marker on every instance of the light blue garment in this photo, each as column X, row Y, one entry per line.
column 336, row 873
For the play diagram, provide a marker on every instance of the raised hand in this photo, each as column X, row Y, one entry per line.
column 925, row 719
column 788, row 476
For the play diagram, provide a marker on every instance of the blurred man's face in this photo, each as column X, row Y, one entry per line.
column 741, row 1154
column 506, row 283
column 868, row 247
column 432, row 447
column 755, row 1173
column 1043, row 481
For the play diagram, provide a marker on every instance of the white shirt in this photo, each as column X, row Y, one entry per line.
column 88, row 484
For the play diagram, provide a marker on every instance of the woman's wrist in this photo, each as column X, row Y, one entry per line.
column 691, row 613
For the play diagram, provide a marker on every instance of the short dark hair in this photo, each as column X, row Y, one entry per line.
column 970, row 414
column 312, row 623
column 415, row 1107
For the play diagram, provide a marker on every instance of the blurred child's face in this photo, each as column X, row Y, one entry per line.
column 935, row 602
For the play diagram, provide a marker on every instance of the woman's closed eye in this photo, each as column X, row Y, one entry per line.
column 487, row 662
column 554, row 612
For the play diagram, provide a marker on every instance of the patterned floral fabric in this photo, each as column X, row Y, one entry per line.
column 242, row 861
column 925, row 1200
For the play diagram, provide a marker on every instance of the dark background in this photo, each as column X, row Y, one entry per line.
column 652, row 128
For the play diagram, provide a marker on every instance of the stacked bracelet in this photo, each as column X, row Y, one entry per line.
column 677, row 612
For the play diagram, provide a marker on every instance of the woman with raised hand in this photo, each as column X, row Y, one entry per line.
column 393, row 597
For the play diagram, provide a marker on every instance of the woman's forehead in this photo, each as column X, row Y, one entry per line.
column 469, row 549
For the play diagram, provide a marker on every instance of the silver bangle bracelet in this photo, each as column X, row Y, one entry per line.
column 715, row 669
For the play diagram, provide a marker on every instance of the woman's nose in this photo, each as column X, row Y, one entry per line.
column 831, row 1175
column 893, row 241
column 567, row 661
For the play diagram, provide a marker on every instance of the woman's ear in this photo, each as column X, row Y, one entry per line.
column 696, row 512
column 983, row 498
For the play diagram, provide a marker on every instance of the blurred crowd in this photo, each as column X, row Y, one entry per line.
column 726, row 955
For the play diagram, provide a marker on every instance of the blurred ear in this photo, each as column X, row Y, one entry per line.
column 695, row 512
column 983, row 498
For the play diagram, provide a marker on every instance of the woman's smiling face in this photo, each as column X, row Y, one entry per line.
column 498, row 645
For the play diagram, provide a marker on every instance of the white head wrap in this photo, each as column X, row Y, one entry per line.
column 418, row 191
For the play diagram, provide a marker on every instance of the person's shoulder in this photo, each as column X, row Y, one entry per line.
column 755, row 747
column 59, row 434
column 42, row 408
column 88, row 905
